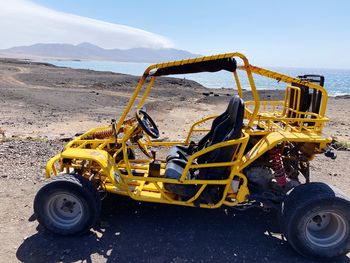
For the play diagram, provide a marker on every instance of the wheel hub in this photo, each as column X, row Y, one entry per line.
column 68, row 206
column 326, row 229
column 64, row 209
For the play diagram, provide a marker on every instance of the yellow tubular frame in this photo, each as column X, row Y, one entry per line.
column 275, row 127
column 240, row 196
column 184, row 62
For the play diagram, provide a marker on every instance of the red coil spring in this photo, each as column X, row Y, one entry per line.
column 277, row 166
column 102, row 134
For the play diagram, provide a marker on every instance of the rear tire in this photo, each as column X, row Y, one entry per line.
column 315, row 219
column 68, row 204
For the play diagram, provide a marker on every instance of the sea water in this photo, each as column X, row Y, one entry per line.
column 337, row 81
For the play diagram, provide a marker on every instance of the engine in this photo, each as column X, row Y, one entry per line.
column 278, row 171
column 263, row 179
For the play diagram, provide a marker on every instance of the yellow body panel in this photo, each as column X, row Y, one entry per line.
column 270, row 141
column 104, row 160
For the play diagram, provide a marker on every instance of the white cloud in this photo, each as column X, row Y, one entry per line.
column 24, row 23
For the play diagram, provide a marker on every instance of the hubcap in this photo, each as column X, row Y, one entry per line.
column 65, row 210
column 326, row 229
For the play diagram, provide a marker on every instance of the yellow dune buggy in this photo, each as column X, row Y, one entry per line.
column 255, row 153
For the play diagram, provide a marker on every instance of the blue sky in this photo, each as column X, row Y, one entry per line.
column 274, row 33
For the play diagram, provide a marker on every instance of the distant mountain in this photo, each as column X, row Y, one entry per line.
column 92, row 52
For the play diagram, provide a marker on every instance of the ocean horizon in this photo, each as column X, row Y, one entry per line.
column 337, row 81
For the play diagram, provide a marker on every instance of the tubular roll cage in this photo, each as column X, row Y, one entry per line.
column 249, row 69
column 279, row 121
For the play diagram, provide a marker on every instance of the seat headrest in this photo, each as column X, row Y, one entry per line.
column 235, row 104
column 230, row 105
column 236, row 118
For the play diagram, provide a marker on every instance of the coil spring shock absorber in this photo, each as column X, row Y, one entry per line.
column 102, row 134
column 277, row 165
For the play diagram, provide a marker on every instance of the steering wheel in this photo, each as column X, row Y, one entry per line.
column 147, row 124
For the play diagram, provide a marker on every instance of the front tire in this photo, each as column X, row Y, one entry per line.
column 315, row 219
column 68, row 204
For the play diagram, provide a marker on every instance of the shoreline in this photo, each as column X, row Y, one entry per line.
column 49, row 61
column 35, row 98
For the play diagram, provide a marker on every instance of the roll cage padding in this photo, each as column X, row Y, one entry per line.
column 228, row 64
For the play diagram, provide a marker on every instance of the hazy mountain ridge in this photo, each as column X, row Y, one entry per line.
column 92, row 52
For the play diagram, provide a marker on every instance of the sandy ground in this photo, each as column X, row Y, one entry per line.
column 41, row 104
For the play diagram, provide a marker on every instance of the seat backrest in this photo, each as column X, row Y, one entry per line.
column 216, row 122
column 229, row 129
